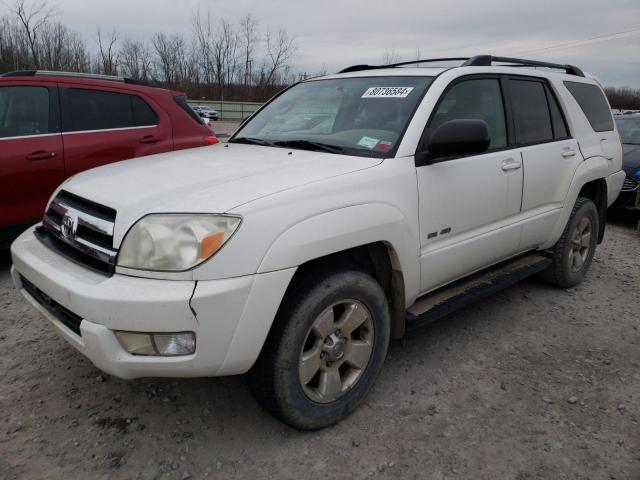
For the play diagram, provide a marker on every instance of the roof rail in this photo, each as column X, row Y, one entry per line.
column 356, row 68
column 476, row 61
column 487, row 60
column 92, row 76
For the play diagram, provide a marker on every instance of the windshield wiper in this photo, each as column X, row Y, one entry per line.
column 309, row 145
column 251, row 141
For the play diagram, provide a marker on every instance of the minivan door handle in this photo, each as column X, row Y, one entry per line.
column 568, row 153
column 41, row 155
column 149, row 139
column 509, row 165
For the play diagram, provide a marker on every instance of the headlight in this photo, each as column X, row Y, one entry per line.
column 175, row 242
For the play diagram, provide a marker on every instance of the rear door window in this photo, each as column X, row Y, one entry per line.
column 103, row 110
column 559, row 125
column 24, row 111
column 530, row 111
column 593, row 103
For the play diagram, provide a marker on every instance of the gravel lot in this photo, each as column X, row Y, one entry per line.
column 224, row 128
column 533, row 383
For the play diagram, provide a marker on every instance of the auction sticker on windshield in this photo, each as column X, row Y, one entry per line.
column 368, row 142
column 387, row 92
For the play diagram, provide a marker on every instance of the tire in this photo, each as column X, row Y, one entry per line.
column 570, row 260
column 290, row 353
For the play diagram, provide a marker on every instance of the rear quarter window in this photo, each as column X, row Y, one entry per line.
column 593, row 103
column 182, row 103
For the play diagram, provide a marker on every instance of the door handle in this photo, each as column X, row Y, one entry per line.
column 149, row 139
column 509, row 165
column 41, row 155
column 568, row 153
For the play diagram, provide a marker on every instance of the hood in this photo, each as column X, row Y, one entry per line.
column 207, row 179
column 631, row 156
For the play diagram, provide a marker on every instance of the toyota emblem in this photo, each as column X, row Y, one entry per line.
column 68, row 227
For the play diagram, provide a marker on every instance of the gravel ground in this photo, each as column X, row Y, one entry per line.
column 532, row 383
column 224, row 128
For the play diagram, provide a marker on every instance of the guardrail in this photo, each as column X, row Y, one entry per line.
column 229, row 110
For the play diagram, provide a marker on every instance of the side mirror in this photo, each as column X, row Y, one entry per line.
column 459, row 137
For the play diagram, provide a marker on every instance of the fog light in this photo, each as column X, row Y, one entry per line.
column 160, row 344
column 175, row 343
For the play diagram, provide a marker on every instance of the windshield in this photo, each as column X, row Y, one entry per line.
column 363, row 116
column 629, row 129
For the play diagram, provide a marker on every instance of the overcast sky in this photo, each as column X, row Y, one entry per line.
column 339, row 33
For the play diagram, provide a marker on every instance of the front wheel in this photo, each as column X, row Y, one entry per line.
column 573, row 253
column 325, row 349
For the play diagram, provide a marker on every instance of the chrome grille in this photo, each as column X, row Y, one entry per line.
column 83, row 225
column 629, row 185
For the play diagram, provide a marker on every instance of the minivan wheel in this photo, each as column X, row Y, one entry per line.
column 573, row 253
column 325, row 349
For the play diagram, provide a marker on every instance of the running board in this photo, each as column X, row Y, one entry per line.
column 466, row 291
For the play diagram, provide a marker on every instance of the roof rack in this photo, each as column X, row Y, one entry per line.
column 356, row 68
column 487, row 60
column 92, row 76
column 476, row 61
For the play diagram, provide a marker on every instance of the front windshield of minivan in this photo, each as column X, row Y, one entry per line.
column 364, row 116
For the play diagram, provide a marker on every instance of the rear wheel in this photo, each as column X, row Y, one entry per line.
column 325, row 349
column 573, row 253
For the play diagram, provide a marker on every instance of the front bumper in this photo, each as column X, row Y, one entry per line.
column 230, row 317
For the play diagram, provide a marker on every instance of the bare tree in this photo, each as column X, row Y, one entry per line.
column 623, row 98
column 219, row 58
column 108, row 53
column 33, row 16
column 134, row 60
column 249, row 37
column 169, row 50
column 225, row 54
column 390, row 56
column 280, row 49
column 62, row 49
column 322, row 71
column 204, row 31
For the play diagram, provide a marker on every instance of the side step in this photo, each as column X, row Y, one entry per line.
column 466, row 291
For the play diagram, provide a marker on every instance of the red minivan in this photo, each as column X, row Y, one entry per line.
column 54, row 125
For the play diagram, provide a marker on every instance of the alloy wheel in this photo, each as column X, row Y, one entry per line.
column 336, row 351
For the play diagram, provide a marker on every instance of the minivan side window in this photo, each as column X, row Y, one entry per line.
column 102, row 110
column 24, row 111
column 593, row 103
column 478, row 99
column 530, row 111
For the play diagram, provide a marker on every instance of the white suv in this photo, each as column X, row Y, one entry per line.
column 349, row 209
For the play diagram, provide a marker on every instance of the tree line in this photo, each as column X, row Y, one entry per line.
column 216, row 59
column 623, row 98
